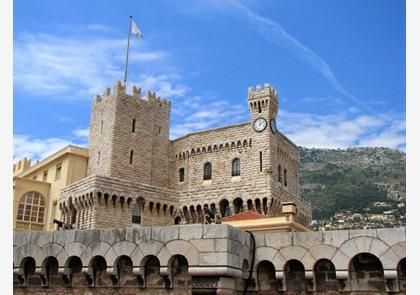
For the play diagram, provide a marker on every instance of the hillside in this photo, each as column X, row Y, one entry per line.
column 335, row 180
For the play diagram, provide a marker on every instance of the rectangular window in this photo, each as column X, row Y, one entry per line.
column 58, row 172
column 53, row 210
column 181, row 175
column 285, row 177
column 260, row 161
column 131, row 156
column 99, row 157
column 133, row 126
column 45, row 176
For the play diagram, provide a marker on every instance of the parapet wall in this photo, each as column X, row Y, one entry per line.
column 215, row 259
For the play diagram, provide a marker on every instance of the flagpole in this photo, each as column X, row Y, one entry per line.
column 128, row 48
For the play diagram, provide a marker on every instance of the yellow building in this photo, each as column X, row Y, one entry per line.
column 36, row 189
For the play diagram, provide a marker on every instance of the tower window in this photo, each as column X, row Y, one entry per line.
column 207, row 171
column 259, row 107
column 131, row 156
column 279, row 172
column 99, row 157
column 133, row 126
column 160, row 129
column 285, row 177
column 236, row 167
column 260, row 161
column 181, row 174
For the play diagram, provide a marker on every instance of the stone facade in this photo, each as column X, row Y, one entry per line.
column 134, row 167
column 209, row 259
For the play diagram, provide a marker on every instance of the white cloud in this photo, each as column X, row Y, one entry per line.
column 72, row 68
column 35, row 148
column 81, row 132
column 343, row 130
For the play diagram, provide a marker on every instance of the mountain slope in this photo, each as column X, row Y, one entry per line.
column 351, row 179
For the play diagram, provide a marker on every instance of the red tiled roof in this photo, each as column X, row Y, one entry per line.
column 247, row 215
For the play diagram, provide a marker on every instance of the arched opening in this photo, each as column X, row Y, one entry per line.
column 295, row 276
column 73, row 272
column 207, row 171
column 97, row 271
column 213, row 208
column 224, row 208
column 125, row 275
column 265, row 205
column 179, row 275
column 200, row 216
column 325, row 279
column 137, row 210
column 152, row 273
column 401, row 274
column 29, row 278
column 186, row 214
column 366, row 273
column 177, row 220
column 49, row 272
column 238, row 205
column 258, row 206
column 279, row 174
column 266, row 276
column 250, row 205
column 193, row 214
column 236, row 167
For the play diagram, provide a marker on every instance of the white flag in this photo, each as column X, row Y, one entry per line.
column 135, row 29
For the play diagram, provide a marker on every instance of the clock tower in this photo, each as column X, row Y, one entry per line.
column 263, row 105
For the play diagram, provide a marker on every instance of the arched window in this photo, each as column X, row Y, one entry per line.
column 224, row 208
column 181, row 174
column 279, row 172
column 236, row 167
column 207, row 171
column 366, row 273
column 31, row 208
column 136, row 215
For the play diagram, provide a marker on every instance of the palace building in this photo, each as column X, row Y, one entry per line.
column 136, row 174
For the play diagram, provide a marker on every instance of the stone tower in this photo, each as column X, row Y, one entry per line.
column 129, row 136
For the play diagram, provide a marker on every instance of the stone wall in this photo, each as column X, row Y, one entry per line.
column 209, row 259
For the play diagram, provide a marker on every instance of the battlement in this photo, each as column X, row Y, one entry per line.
column 259, row 92
column 120, row 89
column 21, row 166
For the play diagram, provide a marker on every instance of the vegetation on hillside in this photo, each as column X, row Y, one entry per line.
column 352, row 179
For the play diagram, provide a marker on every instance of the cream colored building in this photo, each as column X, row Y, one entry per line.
column 36, row 189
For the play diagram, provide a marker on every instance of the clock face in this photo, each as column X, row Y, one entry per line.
column 260, row 124
column 273, row 125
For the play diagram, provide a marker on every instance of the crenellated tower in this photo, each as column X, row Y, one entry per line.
column 129, row 136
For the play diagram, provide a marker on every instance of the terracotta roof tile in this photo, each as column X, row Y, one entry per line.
column 247, row 215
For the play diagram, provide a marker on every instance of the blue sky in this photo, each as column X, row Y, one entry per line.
column 339, row 66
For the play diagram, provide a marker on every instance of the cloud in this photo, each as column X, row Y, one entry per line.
column 343, row 130
column 84, row 133
column 35, row 148
column 196, row 114
column 63, row 119
column 74, row 68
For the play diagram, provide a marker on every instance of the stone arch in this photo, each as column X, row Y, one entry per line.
column 209, row 149
column 227, row 146
column 221, row 147
column 119, row 249
column 366, row 244
column 366, row 273
column 28, row 250
column 77, row 250
column 215, row 148
column 179, row 247
column 147, row 248
column 245, row 144
column 250, row 205
column 152, row 277
column 97, row 249
column 269, row 254
column 178, row 272
column 258, row 205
